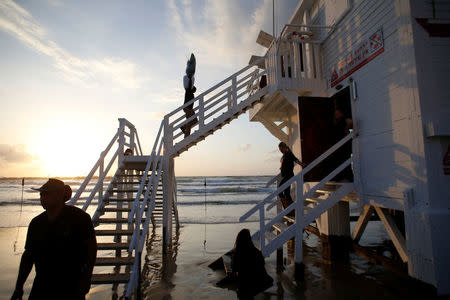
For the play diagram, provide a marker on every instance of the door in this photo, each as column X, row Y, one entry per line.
column 316, row 126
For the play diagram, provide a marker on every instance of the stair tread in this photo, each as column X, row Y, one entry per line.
column 112, row 246
column 313, row 199
column 108, row 261
column 116, row 220
column 280, row 227
column 290, row 219
column 110, row 278
column 113, row 232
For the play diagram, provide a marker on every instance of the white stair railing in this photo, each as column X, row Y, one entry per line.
column 154, row 166
column 300, row 220
column 217, row 104
column 125, row 137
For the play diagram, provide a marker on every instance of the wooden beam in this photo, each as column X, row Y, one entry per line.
column 370, row 255
column 362, row 222
column 277, row 132
column 394, row 233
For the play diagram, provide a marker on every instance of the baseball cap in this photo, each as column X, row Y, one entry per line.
column 51, row 185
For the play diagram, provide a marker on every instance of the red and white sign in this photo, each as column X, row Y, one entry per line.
column 361, row 55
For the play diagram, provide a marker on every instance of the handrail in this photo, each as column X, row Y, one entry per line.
column 215, row 87
column 121, row 137
column 297, row 176
column 273, row 180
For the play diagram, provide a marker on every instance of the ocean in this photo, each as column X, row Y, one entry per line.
column 201, row 200
column 221, row 201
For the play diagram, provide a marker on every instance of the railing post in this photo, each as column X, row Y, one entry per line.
column 299, row 267
column 234, row 91
column 279, row 250
column 121, row 140
column 167, row 168
column 132, row 142
column 100, row 176
column 201, row 112
column 262, row 232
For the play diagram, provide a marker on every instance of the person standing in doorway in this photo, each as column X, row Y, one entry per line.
column 287, row 172
column 342, row 125
column 62, row 246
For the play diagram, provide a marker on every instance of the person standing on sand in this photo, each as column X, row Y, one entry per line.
column 61, row 244
column 287, row 172
column 248, row 264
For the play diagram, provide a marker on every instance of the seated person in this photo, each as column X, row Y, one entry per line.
column 248, row 264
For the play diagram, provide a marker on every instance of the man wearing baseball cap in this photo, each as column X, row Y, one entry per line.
column 62, row 246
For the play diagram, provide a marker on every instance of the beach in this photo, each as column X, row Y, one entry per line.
column 183, row 273
column 209, row 225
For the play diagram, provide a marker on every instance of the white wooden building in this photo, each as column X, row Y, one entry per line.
column 391, row 59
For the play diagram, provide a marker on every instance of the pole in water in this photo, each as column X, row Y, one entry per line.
column 204, row 241
column 20, row 215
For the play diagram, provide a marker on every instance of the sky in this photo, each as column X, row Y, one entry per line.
column 70, row 69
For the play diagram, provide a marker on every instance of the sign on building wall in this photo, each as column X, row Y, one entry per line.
column 357, row 58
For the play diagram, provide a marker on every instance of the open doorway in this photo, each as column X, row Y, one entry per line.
column 319, row 130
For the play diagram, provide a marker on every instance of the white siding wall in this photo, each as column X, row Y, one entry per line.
column 433, row 72
column 386, row 109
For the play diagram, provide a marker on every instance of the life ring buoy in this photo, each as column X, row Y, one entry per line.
column 302, row 35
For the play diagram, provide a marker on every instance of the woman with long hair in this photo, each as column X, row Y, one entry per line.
column 248, row 265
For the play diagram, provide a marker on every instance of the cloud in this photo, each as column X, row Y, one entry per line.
column 244, row 148
column 273, row 156
column 56, row 3
column 14, row 154
column 222, row 33
column 174, row 95
column 18, row 22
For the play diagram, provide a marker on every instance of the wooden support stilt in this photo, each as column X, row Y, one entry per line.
column 362, row 223
column 394, row 233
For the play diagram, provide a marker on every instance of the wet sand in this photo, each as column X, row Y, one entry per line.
column 183, row 273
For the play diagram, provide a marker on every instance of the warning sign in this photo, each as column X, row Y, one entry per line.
column 358, row 57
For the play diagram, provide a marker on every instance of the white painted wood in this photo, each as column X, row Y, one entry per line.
column 394, row 233
column 362, row 222
column 298, row 221
column 262, row 231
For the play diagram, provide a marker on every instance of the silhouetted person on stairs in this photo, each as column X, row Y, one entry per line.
column 62, row 246
column 188, row 83
column 287, row 172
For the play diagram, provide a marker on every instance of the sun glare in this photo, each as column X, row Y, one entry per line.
column 64, row 149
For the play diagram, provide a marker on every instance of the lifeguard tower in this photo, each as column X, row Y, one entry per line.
column 386, row 64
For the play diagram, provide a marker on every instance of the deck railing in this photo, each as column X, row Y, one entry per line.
column 295, row 64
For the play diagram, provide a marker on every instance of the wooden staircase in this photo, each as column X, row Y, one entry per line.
column 313, row 206
column 312, row 200
column 112, row 228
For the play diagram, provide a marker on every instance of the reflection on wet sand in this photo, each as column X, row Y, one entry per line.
column 159, row 267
